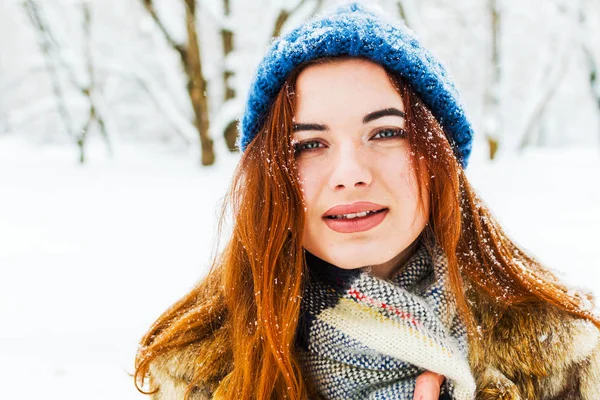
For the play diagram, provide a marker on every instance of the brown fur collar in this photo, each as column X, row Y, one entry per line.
column 534, row 351
column 529, row 352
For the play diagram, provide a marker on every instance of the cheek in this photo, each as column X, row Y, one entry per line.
column 310, row 176
column 309, row 187
column 400, row 179
column 395, row 171
column 420, row 201
column 309, row 181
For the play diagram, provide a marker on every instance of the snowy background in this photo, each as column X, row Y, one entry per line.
column 92, row 253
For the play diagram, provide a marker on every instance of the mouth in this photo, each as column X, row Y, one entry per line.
column 361, row 214
column 357, row 217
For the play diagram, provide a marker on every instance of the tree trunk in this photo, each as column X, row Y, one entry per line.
column 493, row 120
column 197, row 85
column 285, row 14
column 402, row 13
column 592, row 64
column 192, row 65
column 593, row 75
column 279, row 22
column 231, row 131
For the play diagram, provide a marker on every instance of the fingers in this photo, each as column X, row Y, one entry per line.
column 428, row 386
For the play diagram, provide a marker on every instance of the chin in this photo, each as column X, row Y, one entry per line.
column 349, row 264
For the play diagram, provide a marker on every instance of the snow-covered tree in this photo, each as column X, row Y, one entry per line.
column 524, row 85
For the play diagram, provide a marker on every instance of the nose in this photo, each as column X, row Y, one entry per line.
column 351, row 169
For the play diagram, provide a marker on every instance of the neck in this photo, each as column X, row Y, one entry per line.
column 390, row 268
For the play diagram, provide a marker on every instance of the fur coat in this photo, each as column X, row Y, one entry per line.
column 531, row 352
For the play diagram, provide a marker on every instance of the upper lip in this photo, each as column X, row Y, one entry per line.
column 353, row 208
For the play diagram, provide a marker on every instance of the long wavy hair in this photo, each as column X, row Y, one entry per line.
column 242, row 317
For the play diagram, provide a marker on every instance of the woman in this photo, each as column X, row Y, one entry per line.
column 361, row 262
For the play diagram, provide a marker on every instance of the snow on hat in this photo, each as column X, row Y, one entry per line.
column 354, row 30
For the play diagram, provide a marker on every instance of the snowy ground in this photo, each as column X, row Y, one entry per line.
column 90, row 255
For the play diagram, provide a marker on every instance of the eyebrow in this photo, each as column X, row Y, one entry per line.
column 368, row 118
column 383, row 113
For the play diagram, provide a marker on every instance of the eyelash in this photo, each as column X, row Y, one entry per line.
column 396, row 133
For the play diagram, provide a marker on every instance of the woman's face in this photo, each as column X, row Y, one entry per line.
column 359, row 187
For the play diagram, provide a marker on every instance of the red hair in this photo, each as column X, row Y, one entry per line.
column 243, row 316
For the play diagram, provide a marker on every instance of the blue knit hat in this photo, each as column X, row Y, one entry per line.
column 355, row 31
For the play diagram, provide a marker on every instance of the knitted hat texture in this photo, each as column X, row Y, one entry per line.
column 356, row 30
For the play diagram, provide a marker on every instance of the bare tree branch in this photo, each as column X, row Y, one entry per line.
column 51, row 49
column 181, row 49
column 285, row 14
column 33, row 13
column 89, row 90
column 555, row 73
column 550, row 87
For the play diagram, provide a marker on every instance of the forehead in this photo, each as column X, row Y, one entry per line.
column 346, row 87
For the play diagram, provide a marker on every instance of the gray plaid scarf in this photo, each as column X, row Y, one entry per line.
column 362, row 337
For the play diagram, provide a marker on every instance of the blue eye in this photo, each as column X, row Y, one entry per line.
column 307, row 146
column 389, row 133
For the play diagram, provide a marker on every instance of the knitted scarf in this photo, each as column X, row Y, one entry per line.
column 362, row 337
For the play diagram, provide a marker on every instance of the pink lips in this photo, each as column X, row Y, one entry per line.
column 357, row 224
